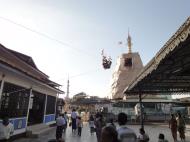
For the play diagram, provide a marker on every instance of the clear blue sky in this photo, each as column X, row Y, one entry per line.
column 85, row 27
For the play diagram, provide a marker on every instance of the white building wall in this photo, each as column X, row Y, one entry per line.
column 123, row 75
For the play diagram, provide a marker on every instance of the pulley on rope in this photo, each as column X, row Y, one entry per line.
column 106, row 61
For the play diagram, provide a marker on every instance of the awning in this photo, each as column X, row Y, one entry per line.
column 169, row 70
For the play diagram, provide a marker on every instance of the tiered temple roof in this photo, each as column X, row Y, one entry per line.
column 26, row 65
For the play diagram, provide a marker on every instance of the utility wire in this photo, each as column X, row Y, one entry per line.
column 53, row 39
column 46, row 36
column 78, row 75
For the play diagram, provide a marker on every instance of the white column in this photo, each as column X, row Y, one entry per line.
column 1, row 88
column 45, row 108
column 56, row 104
column 28, row 107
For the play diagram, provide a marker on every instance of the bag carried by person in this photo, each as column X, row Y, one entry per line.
column 70, row 124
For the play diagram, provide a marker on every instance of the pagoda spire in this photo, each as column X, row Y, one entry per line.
column 129, row 43
column 68, row 85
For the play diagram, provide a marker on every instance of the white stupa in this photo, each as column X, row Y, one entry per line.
column 127, row 67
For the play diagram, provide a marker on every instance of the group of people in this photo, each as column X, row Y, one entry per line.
column 109, row 133
column 76, row 123
column 105, row 132
column 177, row 124
column 63, row 120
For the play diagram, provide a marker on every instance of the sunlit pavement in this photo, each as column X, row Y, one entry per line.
column 152, row 130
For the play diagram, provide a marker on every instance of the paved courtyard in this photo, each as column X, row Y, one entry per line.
column 152, row 131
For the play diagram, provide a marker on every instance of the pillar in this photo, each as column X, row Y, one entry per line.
column 45, row 105
column 29, row 101
column 1, row 87
column 141, row 109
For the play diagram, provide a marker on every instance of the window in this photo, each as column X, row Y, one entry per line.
column 50, row 106
column 36, row 112
column 128, row 62
column 149, row 105
column 14, row 101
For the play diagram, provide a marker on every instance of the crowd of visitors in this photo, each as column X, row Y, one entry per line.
column 107, row 132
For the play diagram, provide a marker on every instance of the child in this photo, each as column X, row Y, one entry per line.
column 143, row 137
column 91, row 124
column 79, row 125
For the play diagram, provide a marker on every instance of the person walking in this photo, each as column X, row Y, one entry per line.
column 6, row 130
column 91, row 124
column 73, row 120
column 99, row 123
column 125, row 133
column 65, row 116
column 181, row 126
column 79, row 125
column 173, row 127
column 60, row 122
column 109, row 134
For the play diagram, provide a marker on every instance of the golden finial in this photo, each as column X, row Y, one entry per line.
column 129, row 43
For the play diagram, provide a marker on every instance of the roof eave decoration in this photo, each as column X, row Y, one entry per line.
column 180, row 36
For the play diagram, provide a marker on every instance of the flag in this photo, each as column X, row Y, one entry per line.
column 120, row 42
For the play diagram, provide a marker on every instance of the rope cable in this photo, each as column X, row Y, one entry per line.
column 47, row 36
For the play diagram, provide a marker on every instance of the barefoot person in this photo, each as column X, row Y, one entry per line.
column 99, row 123
column 79, row 125
column 173, row 127
column 91, row 124
column 181, row 127
column 65, row 116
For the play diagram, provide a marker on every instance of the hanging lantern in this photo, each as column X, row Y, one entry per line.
column 106, row 61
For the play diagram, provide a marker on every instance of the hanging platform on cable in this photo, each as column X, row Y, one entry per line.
column 106, row 61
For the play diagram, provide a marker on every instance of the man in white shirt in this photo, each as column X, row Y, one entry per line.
column 125, row 134
column 6, row 130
